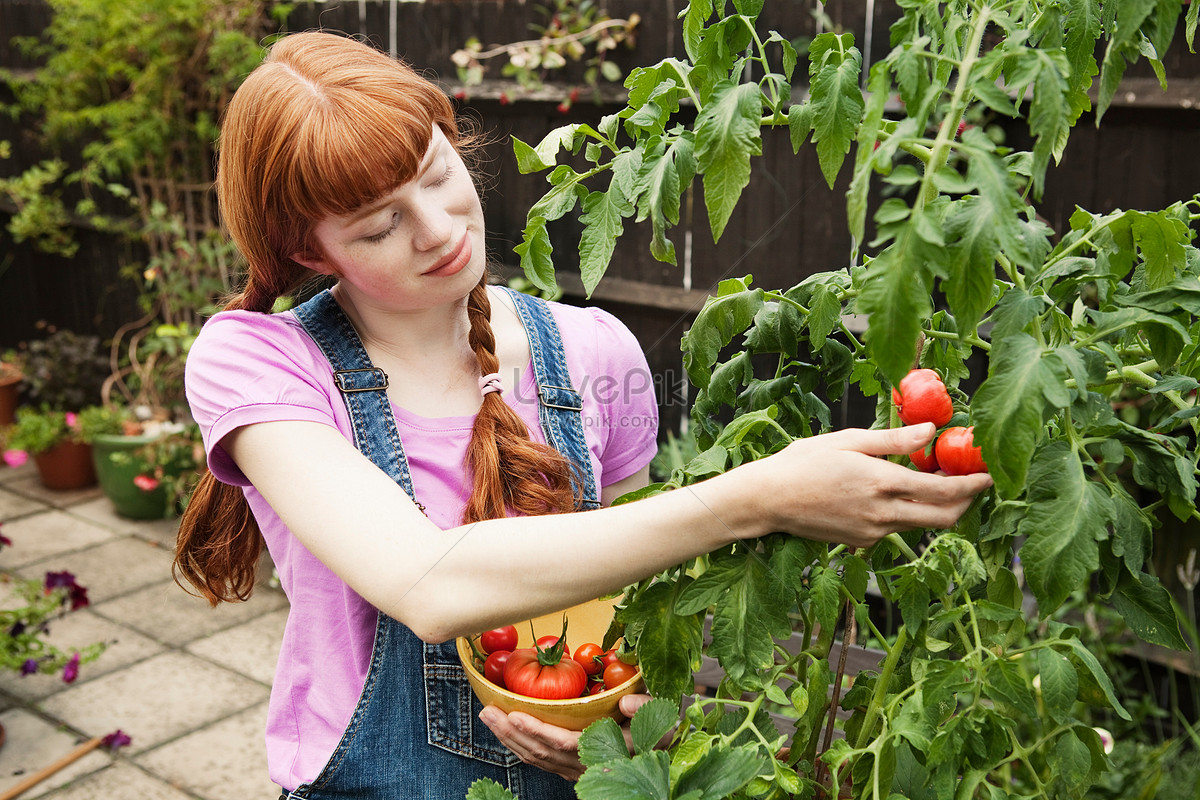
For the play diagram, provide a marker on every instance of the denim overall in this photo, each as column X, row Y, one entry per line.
column 415, row 732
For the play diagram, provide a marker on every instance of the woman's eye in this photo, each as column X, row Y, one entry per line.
column 445, row 177
column 383, row 234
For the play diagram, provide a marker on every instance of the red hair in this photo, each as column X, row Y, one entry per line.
column 324, row 125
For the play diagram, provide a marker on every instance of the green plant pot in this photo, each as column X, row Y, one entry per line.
column 117, row 466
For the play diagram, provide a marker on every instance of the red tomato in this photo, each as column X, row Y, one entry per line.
column 609, row 657
column 493, row 668
column 546, row 642
column 957, row 454
column 617, row 673
column 499, row 639
column 526, row 674
column 922, row 397
column 926, row 462
column 596, row 687
column 587, row 656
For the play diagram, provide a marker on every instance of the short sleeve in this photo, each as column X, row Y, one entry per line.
column 624, row 387
column 246, row 368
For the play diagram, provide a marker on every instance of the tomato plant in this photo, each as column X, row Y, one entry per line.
column 922, row 397
column 958, row 268
column 956, row 452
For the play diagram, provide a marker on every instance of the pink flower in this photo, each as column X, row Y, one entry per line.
column 145, row 483
column 15, row 458
column 71, row 670
column 72, row 419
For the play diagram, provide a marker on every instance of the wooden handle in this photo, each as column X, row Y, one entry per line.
column 46, row 772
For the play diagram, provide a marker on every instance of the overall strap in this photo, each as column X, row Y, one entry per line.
column 363, row 386
column 560, row 408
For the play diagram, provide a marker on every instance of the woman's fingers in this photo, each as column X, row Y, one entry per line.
column 545, row 746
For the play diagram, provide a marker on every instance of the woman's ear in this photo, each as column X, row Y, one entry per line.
column 313, row 261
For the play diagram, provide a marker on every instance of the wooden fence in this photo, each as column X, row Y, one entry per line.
column 788, row 224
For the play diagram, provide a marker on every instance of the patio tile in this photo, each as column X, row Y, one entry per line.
column 166, row 612
column 54, row 533
column 251, row 649
column 155, row 700
column 112, row 568
column 225, row 761
column 78, row 629
column 13, row 505
column 121, row 781
column 31, row 743
column 22, row 472
column 29, row 484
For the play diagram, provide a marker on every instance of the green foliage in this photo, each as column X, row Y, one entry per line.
column 973, row 698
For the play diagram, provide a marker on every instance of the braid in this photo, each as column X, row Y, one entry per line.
column 511, row 472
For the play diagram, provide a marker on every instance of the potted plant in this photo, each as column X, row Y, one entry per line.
column 60, row 442
column 147, row 468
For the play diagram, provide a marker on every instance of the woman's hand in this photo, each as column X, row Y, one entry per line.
column 836, row 488
column 549, row 747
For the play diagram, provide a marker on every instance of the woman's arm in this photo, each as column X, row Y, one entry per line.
column 442, row 584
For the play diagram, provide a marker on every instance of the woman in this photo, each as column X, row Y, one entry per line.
column 404, row 441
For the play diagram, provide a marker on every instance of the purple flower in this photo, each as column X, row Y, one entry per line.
column 17, row 629
column 116, row 739
column 29, row 667
column 71, row 670
column 78, row 597
column 4, row 540
column 59, row 580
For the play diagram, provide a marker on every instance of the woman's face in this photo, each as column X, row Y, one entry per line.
column 419, row 246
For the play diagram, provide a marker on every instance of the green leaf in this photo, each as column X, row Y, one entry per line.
column 1162, row 240
column 1006, row 683
column 999, row 199
column 603, row 220
column 535, row 252
column 731, row 312
column 836, row 99
column 1101, row 677
column 1049, row 114
column 601, row 742
column 669, row 645
column 643, row 777
column 1010, row 407
column 1066, row 514
column 488, row 789
column 544, row 156
column 666, row 173
column 750, row 615
column 1146, row 607
column 722, row 772
column 971, row 263
column 727, row 135
column 1059, row 683
column 896, row 299
column 651, row 722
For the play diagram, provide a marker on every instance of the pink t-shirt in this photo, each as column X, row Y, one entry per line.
column 249, row 367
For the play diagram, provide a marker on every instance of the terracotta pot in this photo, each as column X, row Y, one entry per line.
column 8, row 398
column 66, row 466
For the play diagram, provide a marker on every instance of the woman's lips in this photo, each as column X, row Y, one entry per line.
column 453, row 261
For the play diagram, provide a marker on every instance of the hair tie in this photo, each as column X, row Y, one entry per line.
column 490, row 383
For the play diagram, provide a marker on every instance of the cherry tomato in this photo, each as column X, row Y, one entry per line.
column 926, row 462
column 546, row 642
column 617, row 673
column 587, row 655
column 499, row 639
column 493, row 668
column 957, row 454
column 596, row 687
column 526, row 674
column 922, row 397
column 609, row 657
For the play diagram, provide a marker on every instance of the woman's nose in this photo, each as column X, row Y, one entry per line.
column 434, row 227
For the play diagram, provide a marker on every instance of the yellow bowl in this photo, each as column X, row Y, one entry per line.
column 587, row 622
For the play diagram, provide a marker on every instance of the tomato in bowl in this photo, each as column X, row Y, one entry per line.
column 587, row 622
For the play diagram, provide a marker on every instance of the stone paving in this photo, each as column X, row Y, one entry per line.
column 187, row 682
